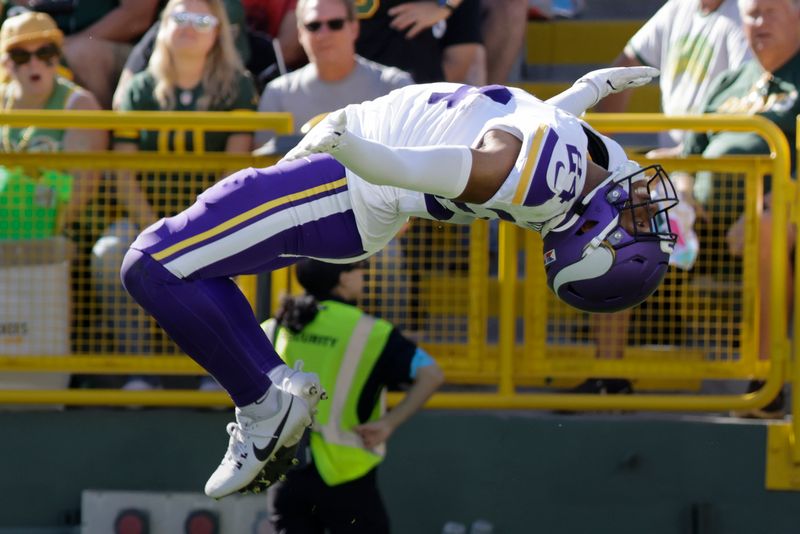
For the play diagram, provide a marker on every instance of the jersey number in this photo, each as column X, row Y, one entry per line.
column 497, row 93
column 574, row 160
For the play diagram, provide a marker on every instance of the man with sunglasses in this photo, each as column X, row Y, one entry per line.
column 31, row 49
column 335, row 76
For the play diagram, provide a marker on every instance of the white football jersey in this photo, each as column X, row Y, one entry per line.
column 548, row 175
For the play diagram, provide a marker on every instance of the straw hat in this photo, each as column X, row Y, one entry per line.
column 30, row 26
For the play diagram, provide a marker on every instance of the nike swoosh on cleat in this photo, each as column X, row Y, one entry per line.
column 264, row 454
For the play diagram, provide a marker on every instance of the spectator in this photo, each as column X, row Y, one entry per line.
column 336, row 76
column 768, row 86
column 691, row 42
column 433, row 41
column 31, row 48
column 140, row 55
column 98, row 37
column 503, row 28
column 337, row 489
column 194, row 67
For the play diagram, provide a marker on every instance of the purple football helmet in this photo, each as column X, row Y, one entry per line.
column 596, row 262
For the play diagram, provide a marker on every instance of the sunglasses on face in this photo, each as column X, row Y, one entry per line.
column 45, row 54
column 333, row 25
column 199, row 21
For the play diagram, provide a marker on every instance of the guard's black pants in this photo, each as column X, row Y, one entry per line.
column 304, row 504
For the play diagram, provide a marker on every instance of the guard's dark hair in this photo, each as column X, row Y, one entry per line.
column 319, row 278
column 296, row 312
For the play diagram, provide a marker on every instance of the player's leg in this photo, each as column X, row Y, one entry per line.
column 179, row 270
column 252, row 221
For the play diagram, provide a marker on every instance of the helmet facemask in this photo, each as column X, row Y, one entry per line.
column 643, row 199
column 612, row 249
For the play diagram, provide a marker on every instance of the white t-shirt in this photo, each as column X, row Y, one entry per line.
column 548, row 175
column 690, row 49
column 305, row 96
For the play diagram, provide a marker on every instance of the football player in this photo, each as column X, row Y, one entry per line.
column 442, row 151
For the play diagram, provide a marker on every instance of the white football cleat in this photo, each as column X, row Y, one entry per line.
column 260, row 436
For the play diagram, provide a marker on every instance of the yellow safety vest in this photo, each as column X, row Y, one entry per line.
column 342, row 345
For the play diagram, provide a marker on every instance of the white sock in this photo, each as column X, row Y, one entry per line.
column 279, row 373
column 268, row 404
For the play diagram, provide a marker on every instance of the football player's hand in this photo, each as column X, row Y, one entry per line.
column 374, row 433
column 325, row 137
column 614, row 80
column 416, row 17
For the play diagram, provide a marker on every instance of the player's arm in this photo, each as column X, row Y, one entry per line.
column 450, row 171
column 427, row 380
column 492, row 162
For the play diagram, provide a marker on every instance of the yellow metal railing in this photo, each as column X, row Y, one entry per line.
column 541, row 359
column 463, row 344
column 508, row 351
column 656, row 361
column 197, row 122
column 207, row 164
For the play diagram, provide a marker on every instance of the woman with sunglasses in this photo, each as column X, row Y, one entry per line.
column 194, row 67
column 31, row 50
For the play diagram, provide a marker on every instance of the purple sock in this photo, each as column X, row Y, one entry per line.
column 210, row 320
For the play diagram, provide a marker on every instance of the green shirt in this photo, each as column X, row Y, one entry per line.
column 750, row 90
column 169, row 193
column 35, row 139
column 139, row 96
column 30, row 199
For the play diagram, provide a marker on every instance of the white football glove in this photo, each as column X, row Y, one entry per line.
column 609, row 81
column 325, row 137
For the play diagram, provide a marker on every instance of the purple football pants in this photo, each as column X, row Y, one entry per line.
column 255, row 220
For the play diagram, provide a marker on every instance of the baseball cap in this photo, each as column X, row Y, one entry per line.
column 319, row 278
column 29, row 26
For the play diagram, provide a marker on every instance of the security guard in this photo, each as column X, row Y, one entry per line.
column 357, row 358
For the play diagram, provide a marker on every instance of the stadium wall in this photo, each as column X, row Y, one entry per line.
column 524, row 472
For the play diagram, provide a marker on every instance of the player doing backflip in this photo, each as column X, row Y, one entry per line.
column 440, row 151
